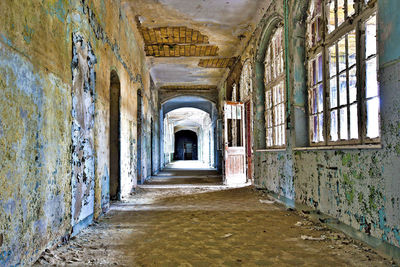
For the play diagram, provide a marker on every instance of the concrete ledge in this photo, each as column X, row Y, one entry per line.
column 200, row 186
column 343, row 147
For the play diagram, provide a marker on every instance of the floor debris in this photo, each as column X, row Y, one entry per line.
column 202, row 227
column 306, row 237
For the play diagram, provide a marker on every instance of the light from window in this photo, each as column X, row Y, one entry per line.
column 316, row 99
column 372, row 90
column 335, row 65
column 338, row 12
column 275, row 92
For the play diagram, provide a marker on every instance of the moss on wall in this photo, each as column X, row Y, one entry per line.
column 360, row 187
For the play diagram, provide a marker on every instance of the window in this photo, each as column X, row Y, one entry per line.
column 275, row 92
column 341, row 50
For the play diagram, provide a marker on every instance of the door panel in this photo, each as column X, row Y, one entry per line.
column 235, row 150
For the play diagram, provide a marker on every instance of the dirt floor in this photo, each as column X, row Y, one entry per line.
column 207, row 226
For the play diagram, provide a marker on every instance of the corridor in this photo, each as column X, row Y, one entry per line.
column 207, row 226
column 200, row 132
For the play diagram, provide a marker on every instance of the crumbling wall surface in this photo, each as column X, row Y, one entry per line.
column 37, row 115
column 83, row 108
column 360, row 187
column 35, row 128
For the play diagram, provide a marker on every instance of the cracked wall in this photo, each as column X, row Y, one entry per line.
column 38, row 116
column 360, row 187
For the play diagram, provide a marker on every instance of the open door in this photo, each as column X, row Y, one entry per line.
column 235, row 149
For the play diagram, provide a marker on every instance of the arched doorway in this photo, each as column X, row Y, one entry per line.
column 193, row 113
column 115, row 141
column 186, row 145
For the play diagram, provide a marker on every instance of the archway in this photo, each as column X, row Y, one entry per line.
column 206, row 132
column 186, row 145
column 115, row 143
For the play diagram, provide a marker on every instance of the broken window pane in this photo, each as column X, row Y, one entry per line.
column 350, row 8
column 269, row 137
column 342, row 89
column 314, row 123
column 311, row 123
column 334, row 126
column 353, row 121
column 353, row 84
column 343, row 124
column 332, row 60
column 321, row 127
column 314, row 72
column 340, row 12
column 373, row 118
column 274, row 67
column 351, row 43
column 371, row 78
column 331, row 17
column 342, row 70
column 276, row 133
column 310, row 101
column 370, row 37
column 268, row 99
column 268, row 118
column 315, row 101
column 320, row 73
column 320, row 98
column 333, row 90
column 342, row 54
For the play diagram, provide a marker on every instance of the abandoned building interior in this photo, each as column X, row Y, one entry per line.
column 200, row 133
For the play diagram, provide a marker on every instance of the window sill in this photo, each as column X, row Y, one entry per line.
column 343, row 147
column 271, row 150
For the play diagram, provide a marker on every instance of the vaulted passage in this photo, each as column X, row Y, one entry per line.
column 199, row 133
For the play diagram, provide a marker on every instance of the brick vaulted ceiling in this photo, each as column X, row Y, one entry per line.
column 193, row 42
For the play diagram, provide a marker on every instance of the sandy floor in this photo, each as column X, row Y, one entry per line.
column 202, row 227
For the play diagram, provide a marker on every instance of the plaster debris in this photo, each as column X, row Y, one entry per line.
column 264, row 201
column 306, row 237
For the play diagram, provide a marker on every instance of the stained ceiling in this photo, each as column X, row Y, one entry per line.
column 193, row 42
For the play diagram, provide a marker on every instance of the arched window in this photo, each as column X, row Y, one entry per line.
column 343, row 93
column 246, row 86
column 274, row 80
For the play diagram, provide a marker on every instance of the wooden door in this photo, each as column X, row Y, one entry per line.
column 235, row 150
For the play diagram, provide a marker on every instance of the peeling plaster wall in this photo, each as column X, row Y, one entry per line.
column 150, row 134
column 36, row 115
column 360, row 187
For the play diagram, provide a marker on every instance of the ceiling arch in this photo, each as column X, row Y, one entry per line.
column 188, row 102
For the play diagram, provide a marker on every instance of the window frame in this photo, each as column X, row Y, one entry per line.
column 270, row 87
column 356, row 22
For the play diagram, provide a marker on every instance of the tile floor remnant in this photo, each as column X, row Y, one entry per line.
column 201, row 227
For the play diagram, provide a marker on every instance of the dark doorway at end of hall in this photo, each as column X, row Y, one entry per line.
column 186, row 145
